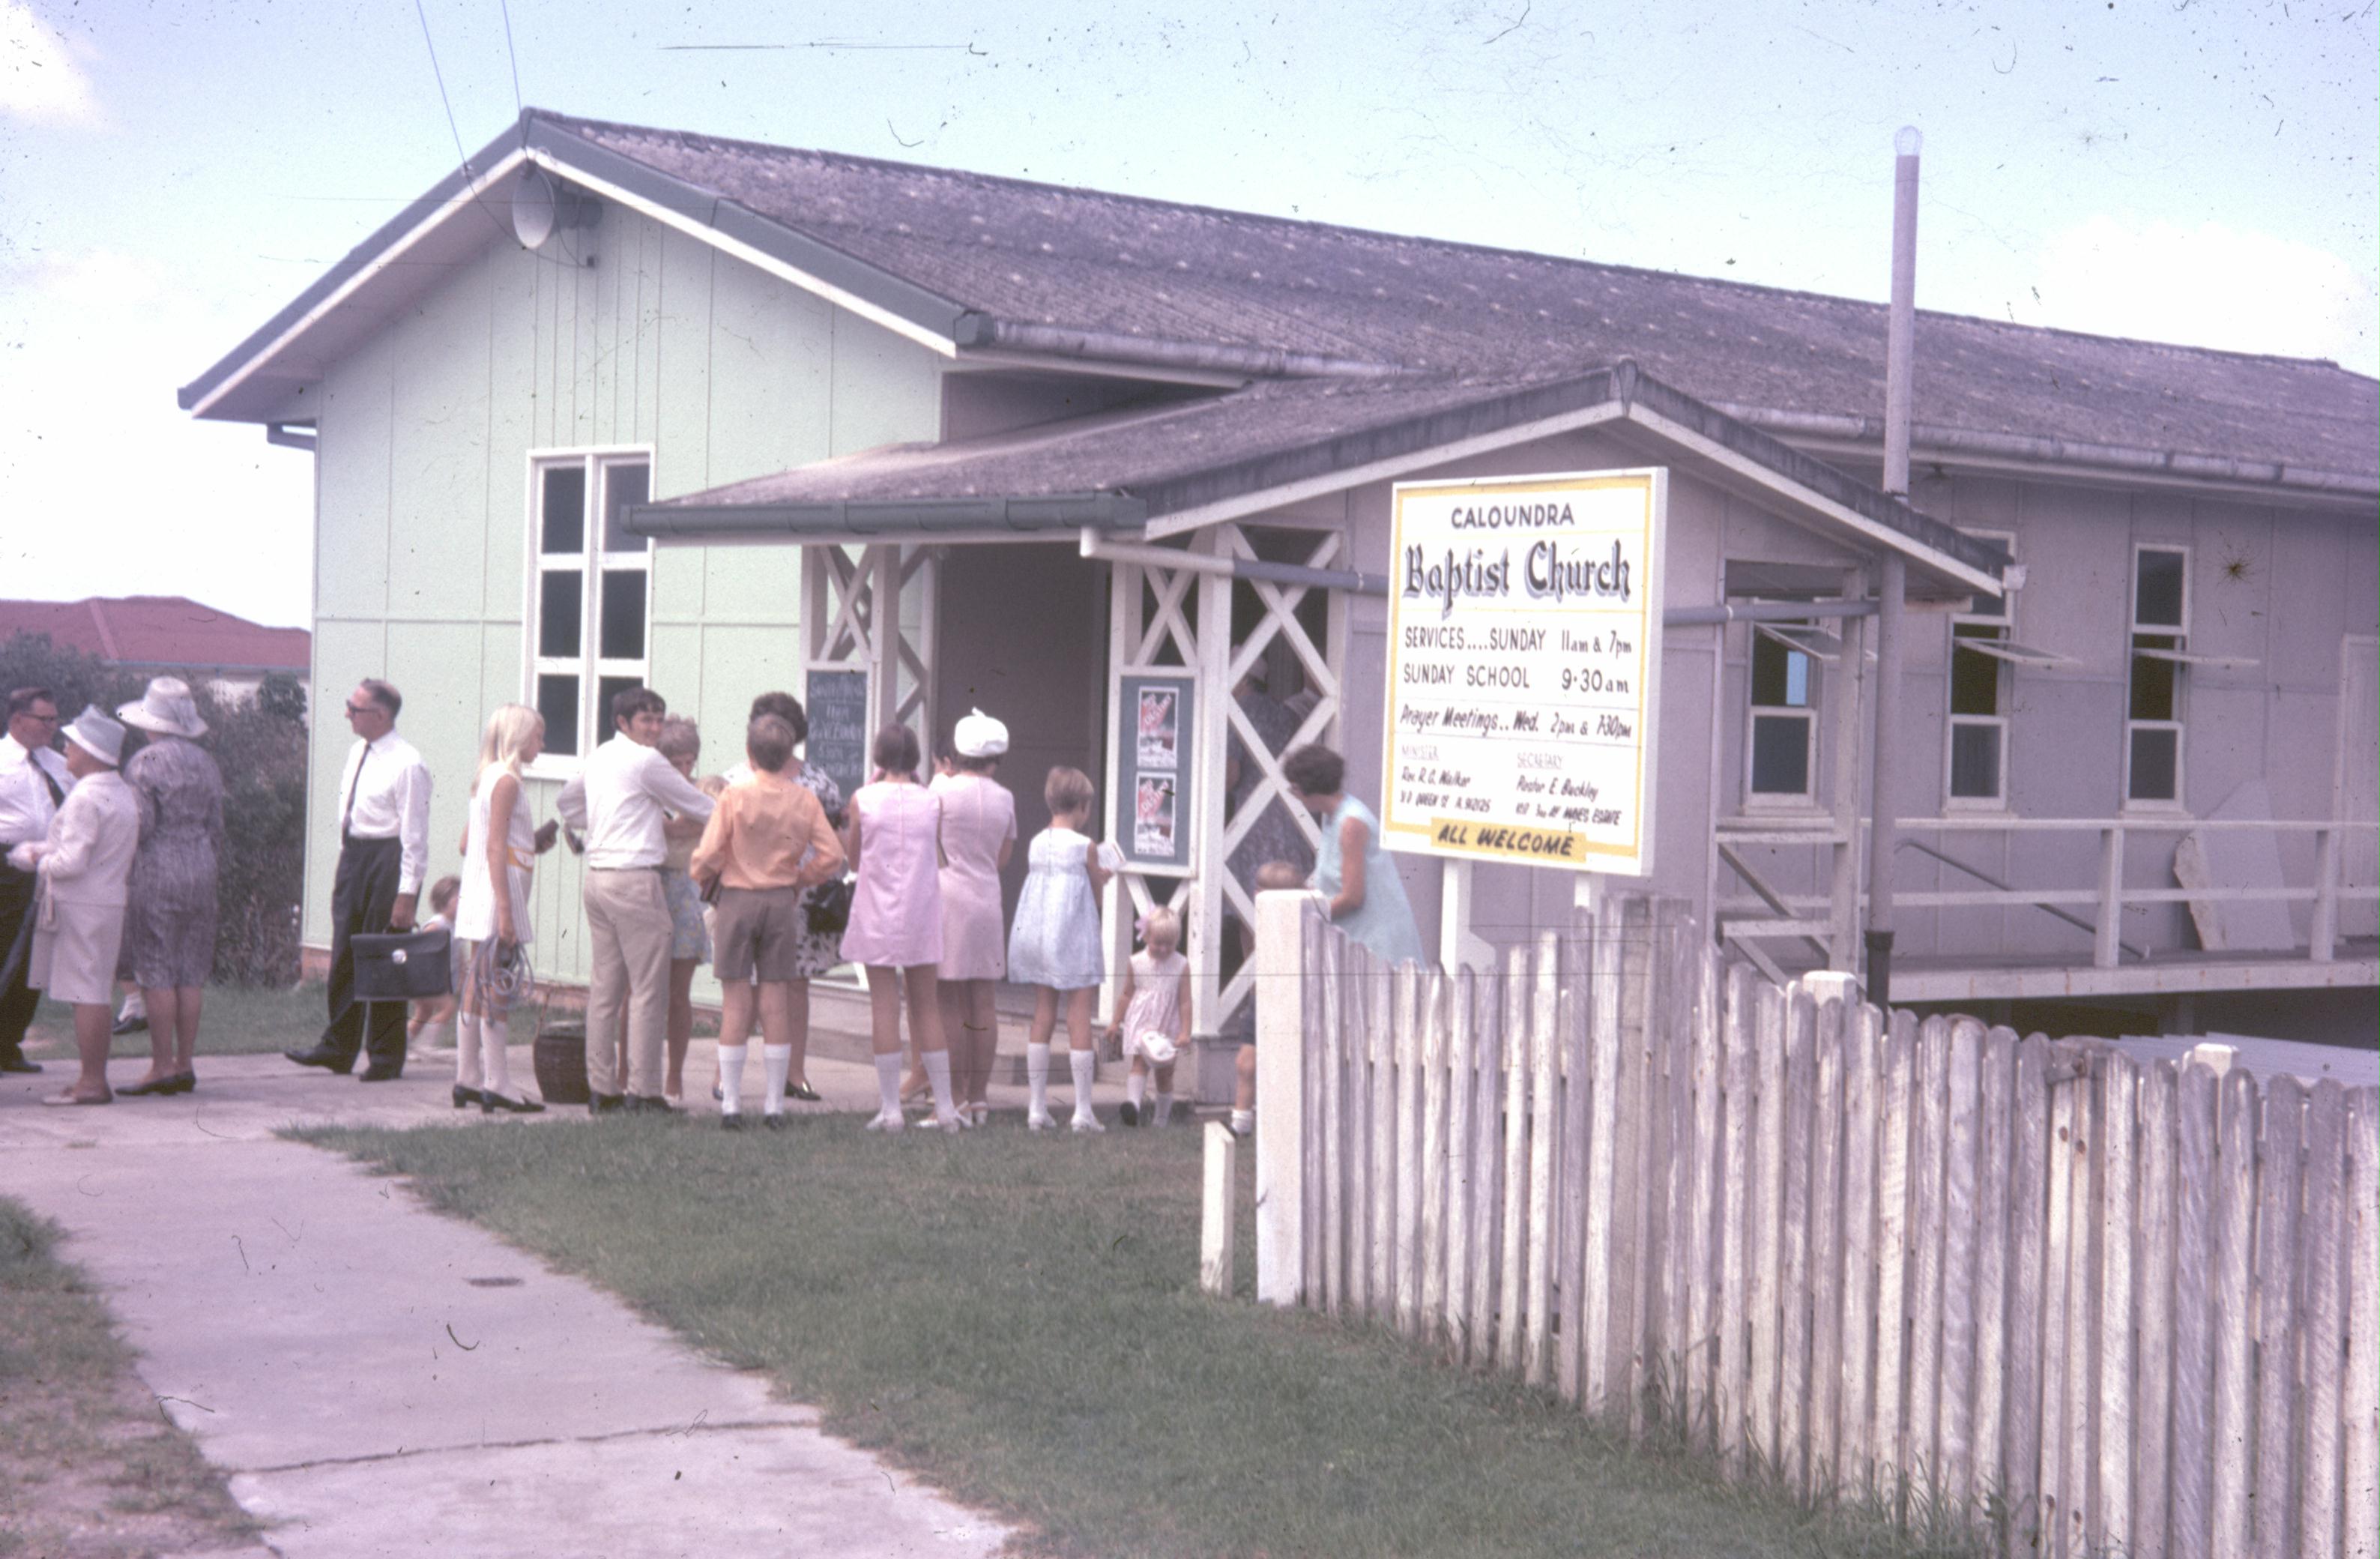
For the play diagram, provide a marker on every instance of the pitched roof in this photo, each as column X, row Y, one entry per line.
column 161, row 630
column 975, row 261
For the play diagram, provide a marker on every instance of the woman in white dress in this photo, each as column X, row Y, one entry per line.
column 500, row 851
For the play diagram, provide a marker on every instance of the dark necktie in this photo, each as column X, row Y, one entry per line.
column 347, row 812
column 57, row 797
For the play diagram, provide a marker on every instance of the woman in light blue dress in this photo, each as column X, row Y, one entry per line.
column 1368, row 898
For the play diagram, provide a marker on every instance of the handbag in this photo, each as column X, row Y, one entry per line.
column 829, row 906
column 401, row 966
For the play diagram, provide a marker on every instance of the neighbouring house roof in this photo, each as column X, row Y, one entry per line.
column 161, row 631
column 975, row 264
column 1134, row 469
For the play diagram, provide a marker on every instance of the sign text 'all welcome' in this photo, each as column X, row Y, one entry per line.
column 1524, row 636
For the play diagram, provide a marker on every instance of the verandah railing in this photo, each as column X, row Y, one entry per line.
column 2082, row 1302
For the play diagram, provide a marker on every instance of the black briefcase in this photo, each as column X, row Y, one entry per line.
column 401, row 966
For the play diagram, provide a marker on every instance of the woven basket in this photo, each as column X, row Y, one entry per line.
column 560, row 1059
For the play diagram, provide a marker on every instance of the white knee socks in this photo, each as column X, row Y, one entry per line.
column 776, row 1062
column 1136, row 1089
column 731, row 1078
column 1084, row 1064
column 495, row 1061
column 888, row 1095
column 1037, row 1082
column 938, row 1072
column 1165, row 1108
column 466, row 1050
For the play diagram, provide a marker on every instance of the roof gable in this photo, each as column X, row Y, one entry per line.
column 161, row 630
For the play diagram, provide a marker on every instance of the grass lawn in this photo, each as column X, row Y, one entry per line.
column 88, row 1464
column 1017, row 1319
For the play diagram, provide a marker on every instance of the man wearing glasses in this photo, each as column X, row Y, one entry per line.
column 384, row 847
column 33, row 781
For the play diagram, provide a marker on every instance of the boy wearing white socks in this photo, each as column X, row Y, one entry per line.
column 766, row 846
column 1156, row 1023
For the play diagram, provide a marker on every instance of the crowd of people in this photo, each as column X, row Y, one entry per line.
column 767, row 871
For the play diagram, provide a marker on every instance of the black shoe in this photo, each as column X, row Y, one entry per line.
column 730, row 1123
column 774, row 1122
column 376, row 1073
column 135, row 1025
column 802, row 1091
column 467, row 1097
column 323, row 1056
column 491, row 1101
column 155, row 1085
column 1128, row 1113
column 606, row 1103
column 15, row 1062
column 652, row 1104
column 181, row 1082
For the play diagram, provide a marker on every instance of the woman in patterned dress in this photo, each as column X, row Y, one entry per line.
column 170, row 931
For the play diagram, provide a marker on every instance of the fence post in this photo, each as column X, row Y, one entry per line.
column 1436, row 989
column 1862, row 1095
column 2320, row 1234
column 2279, row 1171
column 1284, row 1000
column 2235, row 1342
column 1405, row 1141
column 1593, row 1270
column 1731, row 1387
column 2030, row 1147
column 2153, row 1400
column 2362, row 1470
column 2198, row 1198
column 1830, row 1251
column 1962, row 1219
column 1794, row 1289
column 1513, row 1245
column 1545, row 1060
column 2107, row 942
column 1215, row 1232
column 2120, row 1089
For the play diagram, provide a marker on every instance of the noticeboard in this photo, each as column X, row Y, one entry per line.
column 836, row 702
column 1154, row 783
column 1525, row 645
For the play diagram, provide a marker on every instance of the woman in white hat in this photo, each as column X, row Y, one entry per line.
column 978, row 834
column 81, row 867
column 170, row 931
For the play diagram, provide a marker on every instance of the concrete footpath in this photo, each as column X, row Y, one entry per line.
column 377, row 1379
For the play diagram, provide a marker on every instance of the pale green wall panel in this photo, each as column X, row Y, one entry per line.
column 752, row 584
column 739, row 663
column 500, row 666
column 771, row 355
column 677, row 663
column 512, row 424
column 437, row 666
column 645, row 378
column 439, row 457
column 887, row 389
column 351, row 517
column 677, row 584
column 682, row 369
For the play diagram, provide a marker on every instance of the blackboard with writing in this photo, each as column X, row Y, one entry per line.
column 837, row 704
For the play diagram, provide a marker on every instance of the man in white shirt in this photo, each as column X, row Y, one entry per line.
column 33, row 782
column 617, row 799
column 383, row 801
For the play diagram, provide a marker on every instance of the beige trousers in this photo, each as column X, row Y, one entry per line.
column 628, row 925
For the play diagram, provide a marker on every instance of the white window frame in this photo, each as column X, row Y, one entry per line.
column 1952, row 723
column 2179, row 634
column 1805, row 801
column 589, row 666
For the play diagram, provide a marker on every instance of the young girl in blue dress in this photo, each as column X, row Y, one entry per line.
column 1054, row 945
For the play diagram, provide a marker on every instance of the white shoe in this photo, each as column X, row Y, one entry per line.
column 951, row 1124
column 887, row 1120
column 1085, row 1125
column 1040, row 1122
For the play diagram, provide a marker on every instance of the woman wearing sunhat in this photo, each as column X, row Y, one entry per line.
column 79, row 920
column 978, row 834
column 170, row 930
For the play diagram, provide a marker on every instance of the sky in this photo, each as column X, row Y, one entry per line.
column 172, row 173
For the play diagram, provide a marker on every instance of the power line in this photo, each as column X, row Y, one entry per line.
column 461, row 156
column 505, row 7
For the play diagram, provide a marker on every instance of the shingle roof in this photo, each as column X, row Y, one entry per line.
column 161, row 630
column 1038, row 255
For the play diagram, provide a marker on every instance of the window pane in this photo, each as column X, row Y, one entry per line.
column 1780, row 677
column 1974, row 682
column 557, row 612
column 2157, row 765
column 2152, row 681
column 1781, row 755
column 1975, row 761
column 558, row 699
column 623, row 486
column 605, row 689
column 564, row 510
column 2157, row 595
column 619, row 635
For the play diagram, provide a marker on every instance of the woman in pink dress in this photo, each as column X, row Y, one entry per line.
column 978, row 833
column 893, row 838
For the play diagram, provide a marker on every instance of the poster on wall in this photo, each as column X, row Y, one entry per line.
column 836, row 702
column 1525, row 645
column 1155, row 774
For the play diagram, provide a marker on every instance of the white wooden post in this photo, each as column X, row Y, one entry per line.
column 2108, row 941
column 1459, row 947
column 2322, row 942
column 1215, row 1232
column 1283, row 986
column 1205, row 920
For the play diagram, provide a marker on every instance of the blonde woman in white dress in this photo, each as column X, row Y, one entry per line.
column 492, row 919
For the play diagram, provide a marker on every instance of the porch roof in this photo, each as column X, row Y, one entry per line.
column 1161, row 470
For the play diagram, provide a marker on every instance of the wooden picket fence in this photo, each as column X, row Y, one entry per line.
column 2076, row 1303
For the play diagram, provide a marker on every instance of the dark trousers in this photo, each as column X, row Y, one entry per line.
column 18, row 1001
column 362, row 894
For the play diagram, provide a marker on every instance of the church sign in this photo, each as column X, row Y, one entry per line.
column 1525, row 639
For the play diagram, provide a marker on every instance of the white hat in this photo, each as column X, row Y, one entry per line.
column 97, row 735
column 166, row 708
column 977, row 734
